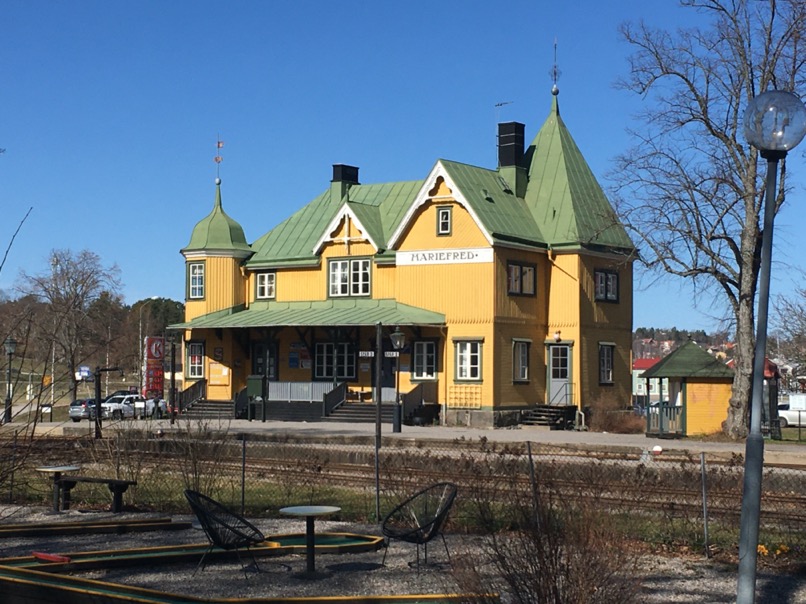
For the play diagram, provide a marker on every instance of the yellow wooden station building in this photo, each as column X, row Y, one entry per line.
column 512, row 287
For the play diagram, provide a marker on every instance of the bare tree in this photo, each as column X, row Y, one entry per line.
column 690, row 189
column 790, row 322
column 70, row 289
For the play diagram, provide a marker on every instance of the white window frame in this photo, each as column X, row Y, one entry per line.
column 520, row 360
column 265, row 286
column 195, row 360
column 424, row 360
column 196, row 280
column 334, row 356
column 444, row 220
column 349, row 277
column 468, row 355
column 607, row 353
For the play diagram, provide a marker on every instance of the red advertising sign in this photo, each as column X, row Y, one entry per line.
column 153, row 372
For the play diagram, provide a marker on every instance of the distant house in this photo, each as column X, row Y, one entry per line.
column 644, row 391
column 699, row 388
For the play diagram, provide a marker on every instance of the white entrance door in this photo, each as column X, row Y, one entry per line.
column 559, row 375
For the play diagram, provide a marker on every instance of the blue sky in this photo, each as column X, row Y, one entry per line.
column 111, row 111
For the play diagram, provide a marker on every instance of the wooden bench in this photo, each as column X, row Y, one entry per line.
column 116, row 485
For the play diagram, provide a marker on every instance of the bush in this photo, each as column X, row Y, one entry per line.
column 608, row 414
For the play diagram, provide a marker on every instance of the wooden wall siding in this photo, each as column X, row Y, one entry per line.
column 564, row 295
column 597, row 312
column 507, row 392
column 223, row 286
column 706, row 406
column 587, row 373
column 294, row 284
column 526, row 308
column 422, row 231
column 463, row 292
column 384, row 281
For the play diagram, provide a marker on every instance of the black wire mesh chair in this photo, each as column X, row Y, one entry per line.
column 224, row 528
column 420, row 518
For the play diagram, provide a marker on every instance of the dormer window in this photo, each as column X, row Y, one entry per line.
column 349, row 277
column 444, row 220
column 264, row 286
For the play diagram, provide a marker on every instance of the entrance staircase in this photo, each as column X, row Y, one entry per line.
column 555, row 417
column 209, row 409
column 361, row 413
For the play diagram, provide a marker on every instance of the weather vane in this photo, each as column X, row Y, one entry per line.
column 218, row 159
column 555, row 72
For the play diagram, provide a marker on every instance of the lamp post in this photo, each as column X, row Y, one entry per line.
column 11, row 347
column 140, row 345
column 774, row 123
column 398, row 342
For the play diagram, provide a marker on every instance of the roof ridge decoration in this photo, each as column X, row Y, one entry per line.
column 218, row 232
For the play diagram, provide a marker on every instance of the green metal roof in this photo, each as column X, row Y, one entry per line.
column 563, row 195
column 217, row 231
column 379, row 207
column 503, row 215
column 689, row 361
column 326, row 312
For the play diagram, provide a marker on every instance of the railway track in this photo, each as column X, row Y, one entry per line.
column 401, row 470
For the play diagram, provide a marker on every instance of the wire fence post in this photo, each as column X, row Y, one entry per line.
column 704, row 505
column 532, row 479
column 243, row 473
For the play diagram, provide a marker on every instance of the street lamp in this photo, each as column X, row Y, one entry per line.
column 141, row 346
column 774, row 123
column 11, row 348
column 398, row 342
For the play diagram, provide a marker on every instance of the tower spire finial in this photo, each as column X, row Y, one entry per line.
column 555, row 72
column 218, row 159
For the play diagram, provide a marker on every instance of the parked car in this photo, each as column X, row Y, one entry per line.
column 119, row 393
column 120, row 406
column 791, row 417
column 82, row 409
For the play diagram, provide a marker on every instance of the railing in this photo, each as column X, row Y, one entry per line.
column 334, row 399
column 664, row 419
column 302, row 392
column 195, row 392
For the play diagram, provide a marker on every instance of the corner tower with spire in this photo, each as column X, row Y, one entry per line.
column 213, row 258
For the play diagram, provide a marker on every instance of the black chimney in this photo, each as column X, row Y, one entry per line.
column 349, row 174
column 510, row 144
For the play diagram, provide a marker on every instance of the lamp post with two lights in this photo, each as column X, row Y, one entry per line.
column 774, row 123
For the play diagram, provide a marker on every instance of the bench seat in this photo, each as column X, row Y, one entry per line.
column 118, row 486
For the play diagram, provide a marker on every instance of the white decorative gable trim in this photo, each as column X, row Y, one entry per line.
column 423, row 197
column 346, row 214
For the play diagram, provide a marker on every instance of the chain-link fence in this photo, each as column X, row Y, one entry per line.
column 667, row 499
